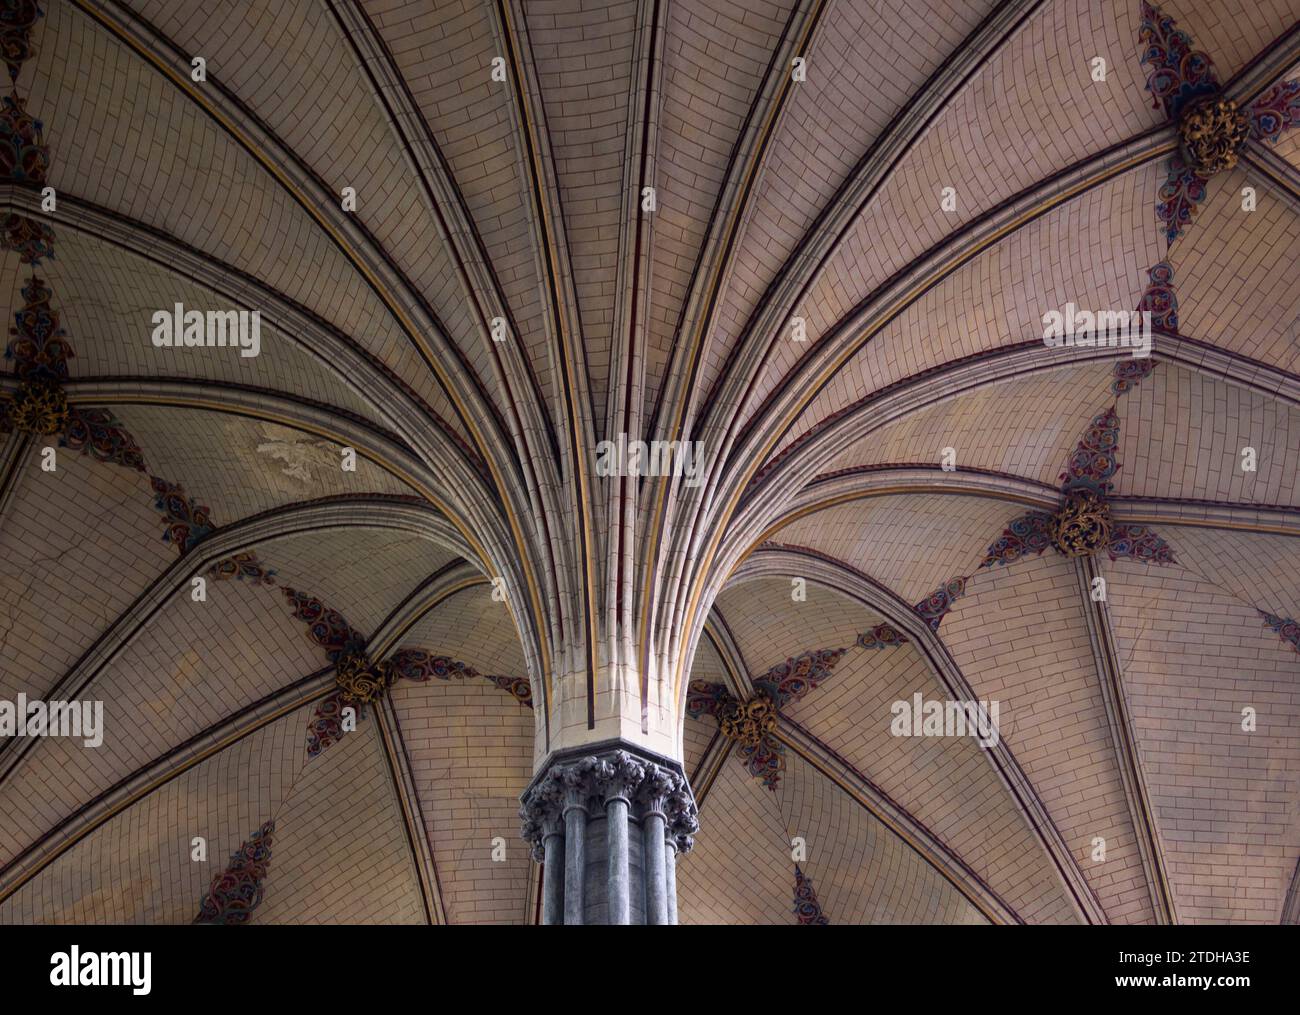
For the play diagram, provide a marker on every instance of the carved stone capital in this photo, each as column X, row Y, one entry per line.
column 542, row 813
column 590, row 781
column 683, row 818
column 620, row 775
column 659, row 783
column 581, row 780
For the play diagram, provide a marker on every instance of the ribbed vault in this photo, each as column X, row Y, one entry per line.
column 629, row 220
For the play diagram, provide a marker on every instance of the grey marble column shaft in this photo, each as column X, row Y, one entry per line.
column 575, row 862
column 670, row 878
column 553, row 877
column 617, row 882
column 656, row 888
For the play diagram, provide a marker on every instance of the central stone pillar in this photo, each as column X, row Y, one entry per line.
column 608, row 822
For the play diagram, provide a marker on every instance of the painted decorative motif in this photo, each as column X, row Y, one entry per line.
column 37, row 344
column 358, row 683
column 326, row 627
column 325, row 728
column 1160, row 299
column 421, row 666
column 1275, row 111
column 29, row 238
column 704, row 697
column 748, row 724
column 1137, row 542
column 17, row 18
column 99, row 434
column 1082, row 525
column 238, row 890
column 806, row 907
column 1093, row 463
column 242, row 567
column 881, row 636
column 186, row 519
column 24, row 156
column 1030, row 533
column 1178, row 197
column 934, row 607
column 791, row 680
column 359, row 680
column 517, row 687
column 765, row 761
column 1285, row 628
column 1212, row 130
column 1128, row 372
column 1176, row 73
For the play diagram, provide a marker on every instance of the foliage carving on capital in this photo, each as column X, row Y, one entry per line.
column 620, row 775
column 542, row 813
column 581, row 780
column 683, row 818
column 591, row 781
column 655, row 789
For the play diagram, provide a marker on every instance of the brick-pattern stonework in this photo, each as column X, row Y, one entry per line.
column 1184, row 435
column 342, row 819
column 1194, row 657
column 492, row 606
column 265, row 233
column 192, row 665
column 137, row 868
column 450, row 729
column 714, row 61
column 1052, row 409
column 911, row 543
column 51, row 576
column 999, row 297
column 241, row 467
column 1020, row 637
column 107, row 296
column 1245, row 288
column 473, row 124
column 862, row 873
column 946, row 783
column 807, row 164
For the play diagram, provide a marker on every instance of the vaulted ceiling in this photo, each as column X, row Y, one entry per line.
column 843, row 567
